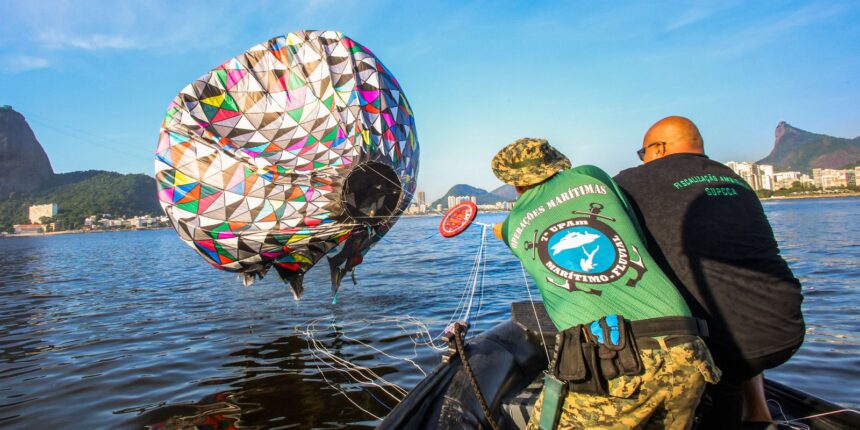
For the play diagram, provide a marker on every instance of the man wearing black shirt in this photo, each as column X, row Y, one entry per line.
column 706, row 226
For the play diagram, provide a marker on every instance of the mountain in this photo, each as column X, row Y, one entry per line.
column 24, row 165
column 81, row 194
column 483, row 197
column 507, row 192
column 799, row 150
column 26, row 178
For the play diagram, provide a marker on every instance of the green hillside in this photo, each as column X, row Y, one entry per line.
column 81, row 194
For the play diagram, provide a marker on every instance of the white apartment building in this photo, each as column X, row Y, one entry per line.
column 37, row 212
column 833, row 178
column 782, row 180
column 758, row 176
column 453, row 200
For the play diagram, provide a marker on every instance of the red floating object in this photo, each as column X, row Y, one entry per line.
column 458, row 219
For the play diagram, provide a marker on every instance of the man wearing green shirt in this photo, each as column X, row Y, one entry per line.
column 628, row 354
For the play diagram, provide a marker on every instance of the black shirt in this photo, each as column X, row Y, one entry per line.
column 707, row 227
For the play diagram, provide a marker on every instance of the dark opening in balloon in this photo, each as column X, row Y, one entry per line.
column 371, row 193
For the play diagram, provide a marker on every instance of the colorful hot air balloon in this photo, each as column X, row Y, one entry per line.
column 300, row 147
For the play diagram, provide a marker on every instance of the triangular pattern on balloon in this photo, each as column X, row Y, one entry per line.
column 257, row 150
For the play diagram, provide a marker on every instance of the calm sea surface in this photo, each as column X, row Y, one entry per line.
column 134, row 330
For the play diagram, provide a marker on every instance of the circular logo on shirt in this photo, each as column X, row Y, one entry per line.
column 585, row 250
column 581, row 249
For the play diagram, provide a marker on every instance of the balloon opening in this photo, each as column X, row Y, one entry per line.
column 371, row 193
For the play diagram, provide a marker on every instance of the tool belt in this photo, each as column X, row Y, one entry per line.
column 587, row 356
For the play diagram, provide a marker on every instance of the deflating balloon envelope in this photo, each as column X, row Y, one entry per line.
column 300, row 147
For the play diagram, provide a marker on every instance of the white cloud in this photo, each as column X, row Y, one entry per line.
column 89, row 42
column 23, row 63
column 767, row 31
column 157, row 25
column 689, row 17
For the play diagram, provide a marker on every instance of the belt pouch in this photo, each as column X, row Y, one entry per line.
column 577, row 363
column 625, row 353
column 571, row 365
column 593, row 382
column 617, row 351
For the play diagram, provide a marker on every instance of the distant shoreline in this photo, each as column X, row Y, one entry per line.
column 811, row 196
column 57, row 233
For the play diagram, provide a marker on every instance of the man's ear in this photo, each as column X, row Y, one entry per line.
column 660, row 150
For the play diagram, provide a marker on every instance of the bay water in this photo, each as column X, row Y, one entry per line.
column 133, row 330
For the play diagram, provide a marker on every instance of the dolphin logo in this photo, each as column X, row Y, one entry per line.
column 587, row 265
column 573, row 240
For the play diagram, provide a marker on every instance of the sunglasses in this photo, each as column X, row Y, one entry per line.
column 641, row 151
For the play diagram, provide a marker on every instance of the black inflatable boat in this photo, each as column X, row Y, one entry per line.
column 507, row 362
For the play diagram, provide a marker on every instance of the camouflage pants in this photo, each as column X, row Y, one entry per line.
column 664, row 396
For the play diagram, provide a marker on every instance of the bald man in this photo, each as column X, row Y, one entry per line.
column 706, row 228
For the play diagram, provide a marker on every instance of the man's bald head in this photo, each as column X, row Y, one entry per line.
column 672, row 135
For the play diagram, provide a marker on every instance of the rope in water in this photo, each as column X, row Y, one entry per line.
column 362, row 375
column 795, row 425
column 365, row 376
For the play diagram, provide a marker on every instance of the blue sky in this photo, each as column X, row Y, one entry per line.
column 93, row 78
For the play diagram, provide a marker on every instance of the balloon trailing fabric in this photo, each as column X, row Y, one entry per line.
column 301, row 147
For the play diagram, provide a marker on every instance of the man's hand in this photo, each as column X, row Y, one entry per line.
column 497, row 230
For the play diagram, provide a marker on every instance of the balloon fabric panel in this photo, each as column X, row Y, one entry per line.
column 300, row 147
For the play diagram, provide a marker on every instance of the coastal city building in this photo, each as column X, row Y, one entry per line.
column 420, row 206
column 766, row 176
column 782, row 180
column 758, row 176
column 763, row 177
column 38, row 212
column 454, row 200
column 28, row 228
column 96, row 222
column 416, row 209
column 833, row 178
column 498, row 206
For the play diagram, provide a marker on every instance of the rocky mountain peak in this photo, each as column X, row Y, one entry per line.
column 800, row 150
column 781, row 129
column 24, row 165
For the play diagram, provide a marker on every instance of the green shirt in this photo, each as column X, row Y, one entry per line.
column 578, row 238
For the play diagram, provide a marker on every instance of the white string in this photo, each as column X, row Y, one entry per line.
column 475, row 280
column 350, row 368
column 361, row 375
column 794, row 424
column 461, row 309
column 338, row 389
column 537, row 320
column 483, row 272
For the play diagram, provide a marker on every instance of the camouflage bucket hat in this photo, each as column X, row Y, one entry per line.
column 528, row 161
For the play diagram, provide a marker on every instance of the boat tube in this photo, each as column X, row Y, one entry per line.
column 507, row 362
